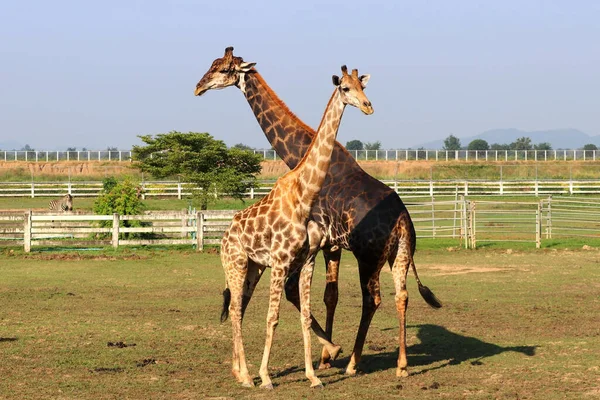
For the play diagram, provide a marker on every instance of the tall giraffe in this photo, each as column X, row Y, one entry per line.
column 275, row 232
column 354, row 211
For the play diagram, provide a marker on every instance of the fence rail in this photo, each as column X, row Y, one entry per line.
column 406, row 188
column 470, row 222
column 393, row 155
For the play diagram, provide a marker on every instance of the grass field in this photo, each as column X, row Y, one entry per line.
column 143, row 324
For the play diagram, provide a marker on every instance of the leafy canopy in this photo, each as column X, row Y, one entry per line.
column 478, row 144
column 354, row 145
column 451, row 143
column 200, row 159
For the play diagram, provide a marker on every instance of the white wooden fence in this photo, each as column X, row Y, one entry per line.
column 407, row 188
column 88, row 230
column 471, row 222
column 269, row 154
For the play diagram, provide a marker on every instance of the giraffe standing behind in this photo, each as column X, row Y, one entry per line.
column 354, row 211
column 276, row 232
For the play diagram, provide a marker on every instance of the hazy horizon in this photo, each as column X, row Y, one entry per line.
column 98, row 74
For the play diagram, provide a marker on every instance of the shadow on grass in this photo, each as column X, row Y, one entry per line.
column 439, row 345
column 8, row 339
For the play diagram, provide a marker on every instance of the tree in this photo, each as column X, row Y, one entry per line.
column 354, row 145
column 478, row 144
column 522, row 143
column 373, row 145
column 109, row 148
column 242, row 146
column 542, row 146
column 498, row 146
column 71, row 148
column 199, row 159
column 589, row 149
column 27, row 148
column 451, row 143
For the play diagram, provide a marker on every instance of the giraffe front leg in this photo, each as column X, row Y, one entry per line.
column 276, row 290
column 305, row 320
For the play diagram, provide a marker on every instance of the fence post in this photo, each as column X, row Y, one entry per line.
column 184, row 222
column 199, row 231
column 32, row 190
column 538, row 226
column 179, row 190
column 549, row 219
column 433, row 216
column 472, row 225
column 465, row 221
column 115, row 231
column 27, row 232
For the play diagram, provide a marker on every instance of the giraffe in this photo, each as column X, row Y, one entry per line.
column 354, row 211
column 276, row 232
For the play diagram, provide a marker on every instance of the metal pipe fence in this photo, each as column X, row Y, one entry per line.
column 363, row 155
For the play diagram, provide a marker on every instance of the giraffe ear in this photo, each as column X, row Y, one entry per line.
column 336, row 80
column 364, row 79
column 245, row 66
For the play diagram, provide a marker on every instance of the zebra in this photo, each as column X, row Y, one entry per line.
column 65, row 203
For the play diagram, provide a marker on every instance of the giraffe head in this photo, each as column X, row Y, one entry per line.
column 225, row 71
column 351, row 89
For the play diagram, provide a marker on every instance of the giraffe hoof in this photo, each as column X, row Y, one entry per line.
column 268, row 386
column 247, row 384
column 350, row 372
column 324, row 366
column 402, row 373
column 317, row 386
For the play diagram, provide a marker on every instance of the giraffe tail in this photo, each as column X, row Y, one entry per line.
column 425, row 292
column 226, row 302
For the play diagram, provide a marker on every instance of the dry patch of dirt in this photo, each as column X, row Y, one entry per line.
column 463, row 269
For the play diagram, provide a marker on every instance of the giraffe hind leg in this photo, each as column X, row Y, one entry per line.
column 400, row 265
column 330, row 298
column 236, row 275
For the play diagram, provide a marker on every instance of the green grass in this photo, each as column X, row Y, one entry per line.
column 520, row 324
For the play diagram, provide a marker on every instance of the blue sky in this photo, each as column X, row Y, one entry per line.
column 97, row 74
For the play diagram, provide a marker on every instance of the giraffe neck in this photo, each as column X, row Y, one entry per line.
column 314, row 165
column 289, row 136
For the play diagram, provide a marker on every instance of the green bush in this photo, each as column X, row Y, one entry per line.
column 121, row 198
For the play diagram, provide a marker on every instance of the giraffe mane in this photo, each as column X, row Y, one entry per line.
column 271, row 93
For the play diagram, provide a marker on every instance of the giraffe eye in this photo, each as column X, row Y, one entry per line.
column 346, row 89
column 225, row 71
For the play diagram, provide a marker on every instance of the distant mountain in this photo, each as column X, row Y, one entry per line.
column 558, row 138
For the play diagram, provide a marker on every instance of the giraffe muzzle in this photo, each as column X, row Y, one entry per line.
column 199, row 91
column 367, row 108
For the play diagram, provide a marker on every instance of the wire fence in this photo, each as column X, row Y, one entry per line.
column 366, row 155
column 471, row 223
